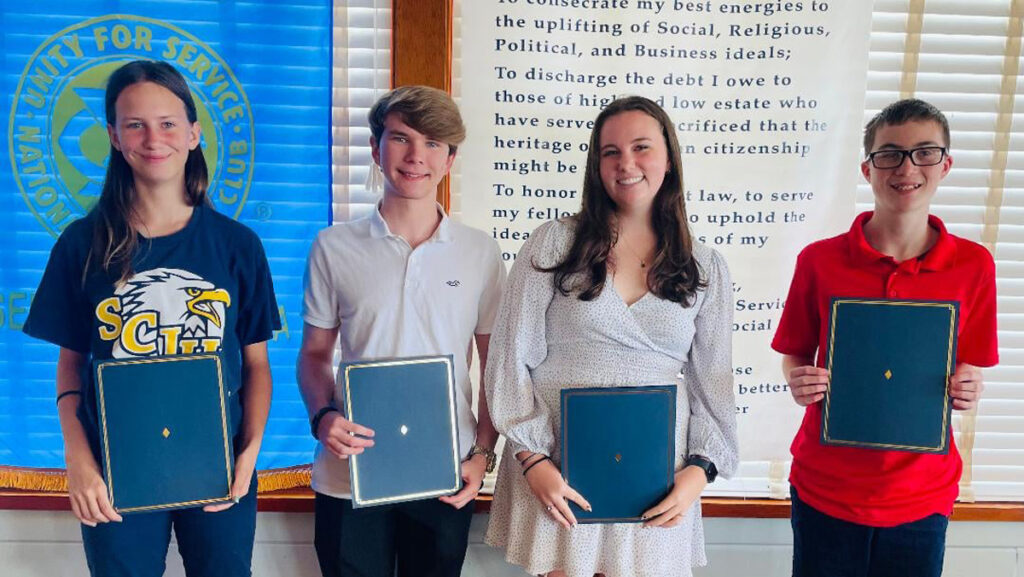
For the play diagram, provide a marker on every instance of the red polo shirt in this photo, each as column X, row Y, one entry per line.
column 868, row 486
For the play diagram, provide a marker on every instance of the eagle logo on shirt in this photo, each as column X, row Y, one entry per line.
column 164, row 311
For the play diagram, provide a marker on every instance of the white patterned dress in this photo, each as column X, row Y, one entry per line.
column 544, row 341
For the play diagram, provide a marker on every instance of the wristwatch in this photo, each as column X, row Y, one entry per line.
column 710, row 471
column 489, row 454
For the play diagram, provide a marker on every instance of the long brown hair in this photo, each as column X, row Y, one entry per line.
column 674, row 274
column 114, row 240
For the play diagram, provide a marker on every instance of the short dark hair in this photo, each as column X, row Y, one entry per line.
column 425, row 109
column 901, row 112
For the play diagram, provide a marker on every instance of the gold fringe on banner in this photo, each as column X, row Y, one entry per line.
column 28, row 479
column 285, row 478
column 55, row 480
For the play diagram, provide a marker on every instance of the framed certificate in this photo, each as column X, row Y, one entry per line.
column 410, row 405
column 889, row 363
column 164, row 433
column 618, row 449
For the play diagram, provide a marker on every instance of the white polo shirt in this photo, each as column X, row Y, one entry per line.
column 394, row 301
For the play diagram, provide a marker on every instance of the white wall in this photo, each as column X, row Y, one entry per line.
column 48, row 544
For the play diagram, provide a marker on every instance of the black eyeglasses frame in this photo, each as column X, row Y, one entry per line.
column 908, row 154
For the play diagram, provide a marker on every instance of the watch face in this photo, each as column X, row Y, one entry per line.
column 710, row 471
column 490, row 457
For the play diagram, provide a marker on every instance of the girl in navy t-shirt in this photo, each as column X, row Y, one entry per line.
column 153, row 269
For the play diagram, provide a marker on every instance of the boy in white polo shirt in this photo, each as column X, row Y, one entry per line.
column 403, row 281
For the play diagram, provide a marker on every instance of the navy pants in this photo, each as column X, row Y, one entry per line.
column 421, row 538
column 824, row 546
column 211, row 544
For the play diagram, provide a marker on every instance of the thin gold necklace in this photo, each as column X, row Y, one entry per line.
column 625, row 243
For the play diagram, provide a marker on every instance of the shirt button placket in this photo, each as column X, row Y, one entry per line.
column 412, row 270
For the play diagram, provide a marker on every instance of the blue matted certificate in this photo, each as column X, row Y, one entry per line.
column 410, row 405
column 164, row 433
column 889, row 362
column 618, row 449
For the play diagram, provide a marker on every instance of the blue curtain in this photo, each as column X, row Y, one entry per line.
column 261, row 74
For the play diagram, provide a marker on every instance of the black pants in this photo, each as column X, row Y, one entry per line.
column 422, row 538
column 824, row 546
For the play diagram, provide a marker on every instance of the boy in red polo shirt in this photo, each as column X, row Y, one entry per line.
column 865, row 512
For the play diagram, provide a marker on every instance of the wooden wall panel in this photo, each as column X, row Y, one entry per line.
column 421, row 52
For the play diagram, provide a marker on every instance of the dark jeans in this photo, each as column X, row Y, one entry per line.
column 211, row 544
column 421, row 538
column 824, row 546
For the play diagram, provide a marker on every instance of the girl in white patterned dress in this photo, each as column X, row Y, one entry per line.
column 618, row 294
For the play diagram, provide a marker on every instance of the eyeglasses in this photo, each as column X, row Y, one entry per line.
column 924, row 156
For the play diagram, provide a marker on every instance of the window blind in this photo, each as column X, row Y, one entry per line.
column 362, row 72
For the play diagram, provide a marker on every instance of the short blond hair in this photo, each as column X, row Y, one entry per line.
column 425, row 109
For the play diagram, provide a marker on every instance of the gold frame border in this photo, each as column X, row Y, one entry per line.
column 105, row 433
column 453, row 423
column 950, row 354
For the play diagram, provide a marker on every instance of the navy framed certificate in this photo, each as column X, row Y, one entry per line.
column 618, row 449
column 164, row 433
column 410, row 405
column 889, row 363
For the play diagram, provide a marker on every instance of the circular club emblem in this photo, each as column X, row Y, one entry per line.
column 58, row 130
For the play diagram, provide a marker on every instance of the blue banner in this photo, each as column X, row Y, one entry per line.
column 260, row 73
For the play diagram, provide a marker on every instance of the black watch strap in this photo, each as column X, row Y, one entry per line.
column 314, row 423
column 710, row 471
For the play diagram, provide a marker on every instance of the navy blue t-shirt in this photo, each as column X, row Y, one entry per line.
column 205, row 288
